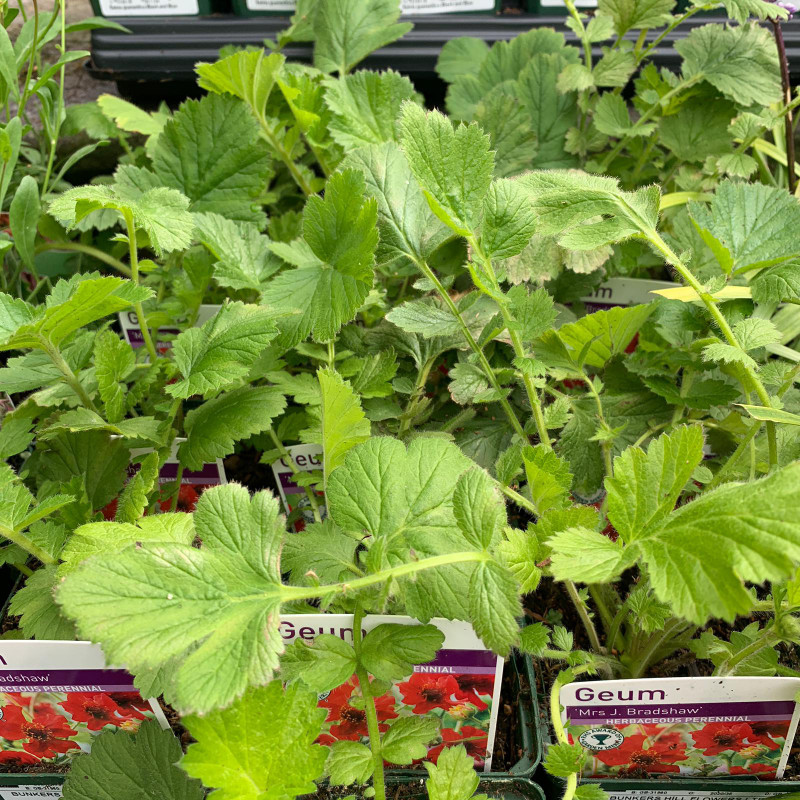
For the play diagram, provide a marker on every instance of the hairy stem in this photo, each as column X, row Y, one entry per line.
column 416, row 395
column 787, row 97
column 285, row 455
column 722, row 323
column 69, row 376
column 475, row 347
column 766, row 640
column 373, row 728
column 289, row 593
column 733, row 458
column 583, row 613
column 25, row 543
column 134, row 259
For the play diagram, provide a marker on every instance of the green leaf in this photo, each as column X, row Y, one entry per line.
column 131, row 118
column 244, row 260
column 699, row 558
column 24, row 214
column 494, row 606
column 343, row 422
column 114, row 361
column 777, row 285
column 533, row 314
column 104, row 538
column 424, row 317
column 637, row 14
column 519, row 552
column 390, row 651
column 583, row 555
column 214, row 611
column 261, row 748
column 534, row 639
column 574, row 78
column 646, row 485
column 698, row 130
column 345, row 33
column 594, row 339
column 611, row 116
column 564, row 759
column 322, row 665
column 508, row 220
column 453, row 776
column 375, row 373
column 461, row 56
column 349, row 762
column 739, row 61
column 138, row 766
column 366, row 106
column 210, row 152
column 753, row 333
column 407, row 739
column 552, row 113
column 71, row 305
column 590, row 791
column 508, row 124
column 479, row 509
column 133, row 500
column 81, row 419
column 221, row 351
column 771, row 414
column 453, row 166
column 40, row 617
column 15, row 435
column 213, row 429
column 341, row 234
column 409, row 230
column 753, row 221
column 549, row 477
column 321, row 549
column 160, row 212
column 614, row 68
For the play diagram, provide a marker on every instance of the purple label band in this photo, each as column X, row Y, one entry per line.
column 461, row 659
column 766, row 709
column 208, row 474
column 135, row 338
column 66, row 680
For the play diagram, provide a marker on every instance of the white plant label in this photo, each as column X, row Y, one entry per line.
column 306, row 457
column 410, row 7
column 624, row 292
column 701, row 727
column 30, row 792
column 132, row 331
column 148, row 8
column 459, row 689
column 678, row 794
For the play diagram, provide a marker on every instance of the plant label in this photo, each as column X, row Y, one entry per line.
column 132, row 331
column 55, row 698
column 703, row 727
column 148, row 8
column 460, row 688
column 307, row 458
column 51, row 792
column 624, row 292
column 407, row 6
column 690, row 794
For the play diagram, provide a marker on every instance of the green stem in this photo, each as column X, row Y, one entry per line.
column 285, row 455
column 26, row 571
column 767, row 639
column 475, row 347
column 416, row 395
column 332, row 356
column 518, row 499
column 725, row 328
column 26, row 544
column 291, row 593
column 583, row 613
column 88, row 250
column 69, row 375
column 558, row 725
column 34, row 44
column 530, row 387
column 60, row 107
column 284, row 156
column 463, row 416
column 134, row 259
column 666, row 32
column 653, row 645
column 734, row 457
column 378, row 782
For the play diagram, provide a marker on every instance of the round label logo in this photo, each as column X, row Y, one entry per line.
column 601, row 739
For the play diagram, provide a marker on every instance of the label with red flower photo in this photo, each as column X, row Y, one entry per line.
column 307, row 458
column 193, row 482
column 55, row 697
column 132, row 331
column 624, row 292
column 460, row 688
column 700, row 727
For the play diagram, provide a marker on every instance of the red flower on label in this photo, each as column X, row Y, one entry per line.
column 715, row 737
column 187, row 499
column 96, row 710
column 46, row 734
column 753, row 768
column 131, row 704
column 475, row 685
column 17, row 758
column 764, row 730
column 426, row 691
column 348, row 713
column 475, row 740
column 648, row 753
